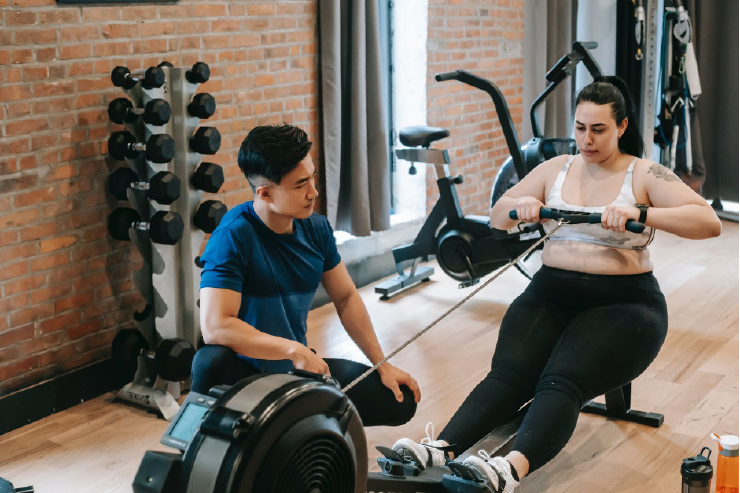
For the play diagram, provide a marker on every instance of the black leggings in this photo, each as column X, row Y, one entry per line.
column 568, row 338
column 376, row 404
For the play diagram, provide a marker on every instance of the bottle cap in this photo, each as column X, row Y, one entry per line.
column 728, row 442
column 698, row 468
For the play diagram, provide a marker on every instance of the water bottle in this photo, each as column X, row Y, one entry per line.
column 727, row 463
column 696, row 473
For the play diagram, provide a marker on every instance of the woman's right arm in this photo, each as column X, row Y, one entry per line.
column 526, row 197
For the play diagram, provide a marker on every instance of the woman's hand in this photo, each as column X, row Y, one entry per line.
column 615, row 217
column 528, row 209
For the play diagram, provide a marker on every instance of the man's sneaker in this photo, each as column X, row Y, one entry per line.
column 496, row 470
column 427, row 453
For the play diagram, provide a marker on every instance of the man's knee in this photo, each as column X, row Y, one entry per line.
column 212, row 365
column 407, row 408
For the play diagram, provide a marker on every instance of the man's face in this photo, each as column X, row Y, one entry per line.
column 296, row 194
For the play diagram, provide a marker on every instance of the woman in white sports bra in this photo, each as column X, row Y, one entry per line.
column 593, row 318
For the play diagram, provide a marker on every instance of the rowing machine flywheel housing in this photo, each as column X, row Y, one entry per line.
column 276, row 433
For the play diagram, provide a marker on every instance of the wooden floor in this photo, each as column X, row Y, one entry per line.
column 97, row 446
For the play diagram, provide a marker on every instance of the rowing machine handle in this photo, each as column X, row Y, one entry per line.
column 593, row 218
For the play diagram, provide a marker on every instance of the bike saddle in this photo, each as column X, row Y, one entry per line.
column 421, row 135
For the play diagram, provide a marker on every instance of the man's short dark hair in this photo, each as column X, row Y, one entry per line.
column 272, row 151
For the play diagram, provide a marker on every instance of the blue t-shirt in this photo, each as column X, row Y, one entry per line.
column 276, row 274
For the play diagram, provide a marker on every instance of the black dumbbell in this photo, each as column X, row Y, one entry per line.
column 165, row 64
column 160, row 148
column 203, row 106
column 172, row 358
column 122, row 77
column 164, row 227
column 199, row 74
column 207, row 140
column 156, row 112
column 209, row 215
column 208, row 177
column 164, row 187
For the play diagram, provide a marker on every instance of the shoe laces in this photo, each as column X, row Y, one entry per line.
column 430, row 435
column 484, row 455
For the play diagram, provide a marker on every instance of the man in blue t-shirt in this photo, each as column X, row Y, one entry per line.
column 261, row 269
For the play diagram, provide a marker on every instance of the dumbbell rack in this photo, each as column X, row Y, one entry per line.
column 169, row 279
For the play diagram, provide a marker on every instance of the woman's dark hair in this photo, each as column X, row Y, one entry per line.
column 612, row 90
column 272, row 151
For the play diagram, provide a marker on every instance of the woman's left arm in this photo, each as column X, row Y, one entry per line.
column 676, row 208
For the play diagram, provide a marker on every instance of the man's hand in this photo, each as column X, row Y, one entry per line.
column 393, row 378
column 305, row 359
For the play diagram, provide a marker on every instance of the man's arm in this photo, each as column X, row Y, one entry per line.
column 356, row 321
column 220, row 324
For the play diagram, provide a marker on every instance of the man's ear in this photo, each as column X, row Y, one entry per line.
column 264, row 193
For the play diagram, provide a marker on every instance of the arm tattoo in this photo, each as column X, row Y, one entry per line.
column 660, row 171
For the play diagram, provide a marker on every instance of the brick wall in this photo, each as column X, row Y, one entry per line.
column 484, row 37
column 65, row 285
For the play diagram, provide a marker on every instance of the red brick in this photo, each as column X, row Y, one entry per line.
column 74, row 187
column 14, row 93
column 92, row 281
column 149, row 46
column 44, row 55
column 57, row 243
column 76, row 301
column 14, row 270
column 35, row 73
column 112, row 31
column 16, row 252
column 18, row 146
column 112, row 49
column 28, row 162
column 8, row 238
column 80, row 68
column 12, row 303
column 75, row 51
column 42, row 343
column 84, row 329
column 58, row 355
column 17, row 368
column 49, row 261
column 80, row 33
column 29, row 315
column 60, row 16
column 13, row 75
column 58, row 208
column 24, row 285
column 101, row 13
column 210, row 10
column 152, row 29
column 260, row 9
column 92, row 117
column 191, row 27
column 22, row 56
column 63, row 121
column 17, row 335
column 33, row 3
column 139, row 13
column 33, row 36
column 56, row 105
column 40, row 230
column 48, row 293
column 59, row 322
column 225, row 25
column 26, row 127
column 18, row 183
column 172, row 11
column 20, row 18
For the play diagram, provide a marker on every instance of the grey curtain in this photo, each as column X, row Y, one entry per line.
column 353, row 104
column 549, row 30
column 716, row 45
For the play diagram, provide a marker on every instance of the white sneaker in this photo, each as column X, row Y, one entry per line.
column 427, row 453
column 496, row 470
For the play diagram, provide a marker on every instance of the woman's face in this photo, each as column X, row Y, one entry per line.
column 597, row 133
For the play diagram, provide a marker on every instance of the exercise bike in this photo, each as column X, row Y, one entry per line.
column 465, row 246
